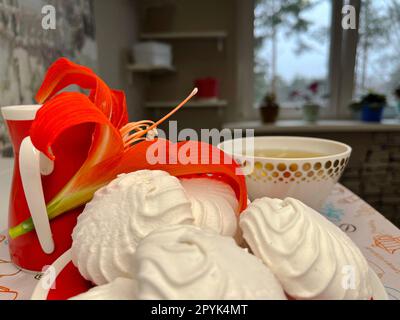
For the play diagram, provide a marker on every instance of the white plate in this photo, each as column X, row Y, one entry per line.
column 43, row 287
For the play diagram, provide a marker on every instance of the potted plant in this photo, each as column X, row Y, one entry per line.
column 269, row 108
column 372, row 105
column 310, row 107
column 355, row 107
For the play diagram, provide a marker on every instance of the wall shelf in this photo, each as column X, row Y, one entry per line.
column 191, row 104
column 184, row 35
column 190, row 35
column 141, row 68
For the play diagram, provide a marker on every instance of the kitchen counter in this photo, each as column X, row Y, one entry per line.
column 300, row 126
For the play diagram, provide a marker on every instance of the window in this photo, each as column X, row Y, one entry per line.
column 291, row 50
column 297, row 42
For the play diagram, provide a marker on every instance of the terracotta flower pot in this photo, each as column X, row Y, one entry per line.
column 269, row 114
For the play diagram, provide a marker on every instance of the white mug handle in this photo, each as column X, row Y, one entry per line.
column 32, row 163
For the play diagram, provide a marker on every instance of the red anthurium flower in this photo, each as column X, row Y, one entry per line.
column 117, row 147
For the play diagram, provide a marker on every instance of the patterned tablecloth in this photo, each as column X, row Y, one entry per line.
column 377, row 238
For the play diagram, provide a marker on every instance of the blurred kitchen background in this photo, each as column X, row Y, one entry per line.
column 282, row 67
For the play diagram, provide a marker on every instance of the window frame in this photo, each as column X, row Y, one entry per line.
column 342, row 59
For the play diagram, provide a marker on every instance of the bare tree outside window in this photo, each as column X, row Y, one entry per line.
column 291, row 46
column 377, row 64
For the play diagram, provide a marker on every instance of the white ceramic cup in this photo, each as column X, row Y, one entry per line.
column 307, row 179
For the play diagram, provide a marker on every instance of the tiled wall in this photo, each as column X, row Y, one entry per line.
column 376, row 175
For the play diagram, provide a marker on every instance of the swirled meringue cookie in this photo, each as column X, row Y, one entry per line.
column 214, row 204
column 187, row 262
column 311, row 257
column 118, row 289
column 119, row 216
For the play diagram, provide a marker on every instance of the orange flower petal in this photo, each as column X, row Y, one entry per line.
column 64, row 73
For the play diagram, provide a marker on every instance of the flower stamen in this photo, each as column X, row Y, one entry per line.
column 135, row 131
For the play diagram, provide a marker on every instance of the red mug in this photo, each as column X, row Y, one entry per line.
column 36, row 180
column 208, row 88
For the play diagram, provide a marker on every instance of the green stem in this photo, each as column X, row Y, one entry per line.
column 55, row 207
column 21, row 229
